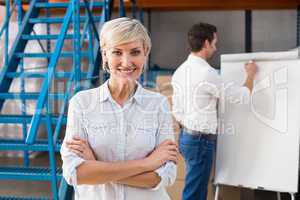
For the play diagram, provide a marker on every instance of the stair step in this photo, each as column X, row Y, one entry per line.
column 64, row 5
column 48, row 55
column 18, row 119
column 56, row 20
column 25, row 173
column 42, row 74
column 30, row 95
column 22, row 198
column 45, row 37
column 20, row 145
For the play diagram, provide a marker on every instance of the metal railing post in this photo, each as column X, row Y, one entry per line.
column 6, row 40
column 76, row 43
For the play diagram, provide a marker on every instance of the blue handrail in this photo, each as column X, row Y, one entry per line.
column 7, row 16
column 72, row 11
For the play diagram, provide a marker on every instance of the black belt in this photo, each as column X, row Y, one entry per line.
column 199, row 134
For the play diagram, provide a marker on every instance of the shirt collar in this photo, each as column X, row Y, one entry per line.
column 104, row 92
column 197, row 59
column 106, row 95
column 138, row 95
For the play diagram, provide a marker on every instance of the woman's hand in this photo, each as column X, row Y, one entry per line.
column 81, row 148
column 166, row 151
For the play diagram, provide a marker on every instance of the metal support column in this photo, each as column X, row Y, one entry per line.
column 48, row 50
column 26, row 161
column 52, row 160
column 298, row 26
column 6, row 21
column 133, row 9
column 122, row 11
column 76, row 44
column 248, row 31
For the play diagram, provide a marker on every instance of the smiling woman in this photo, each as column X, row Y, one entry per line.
column 119, row 141
column 125, row 47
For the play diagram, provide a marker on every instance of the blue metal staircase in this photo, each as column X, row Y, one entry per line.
column 79, row 24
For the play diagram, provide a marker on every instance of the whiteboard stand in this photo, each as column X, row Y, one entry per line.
column 217, row 192
column 278, row 196
column 292, row 196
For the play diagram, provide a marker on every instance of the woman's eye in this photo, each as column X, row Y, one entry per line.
column 117, row 53
column 135, row 52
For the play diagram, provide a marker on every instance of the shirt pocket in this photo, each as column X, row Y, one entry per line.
column 141, row 141
column 101, row 136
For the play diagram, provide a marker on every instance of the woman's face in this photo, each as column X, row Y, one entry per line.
column 126, row 61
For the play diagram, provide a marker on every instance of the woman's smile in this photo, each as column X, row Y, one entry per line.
column 127, row 70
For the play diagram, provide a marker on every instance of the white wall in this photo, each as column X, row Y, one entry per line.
column 274, row 30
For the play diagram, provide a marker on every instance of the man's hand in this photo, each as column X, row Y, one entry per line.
column 166, row 151
column 251, row 69
column 81, row 148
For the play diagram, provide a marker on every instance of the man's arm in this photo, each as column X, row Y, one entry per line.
column 249, row 83
column 251, row 70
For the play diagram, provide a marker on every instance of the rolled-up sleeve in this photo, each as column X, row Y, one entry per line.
column 168, row 171
column 230, row 91
column 236, row 94
column 74, row 127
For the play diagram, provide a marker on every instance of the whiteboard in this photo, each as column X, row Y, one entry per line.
column 258, row 142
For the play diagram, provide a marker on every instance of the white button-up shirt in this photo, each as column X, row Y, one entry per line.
column 196, row 90
column 118, row 133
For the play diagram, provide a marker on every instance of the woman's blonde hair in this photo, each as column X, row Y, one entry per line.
column 123, row 30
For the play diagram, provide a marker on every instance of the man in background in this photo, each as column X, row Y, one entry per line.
column 197, row 87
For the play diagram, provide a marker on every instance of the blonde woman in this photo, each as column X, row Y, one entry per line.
column 119, row 142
